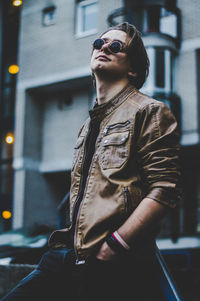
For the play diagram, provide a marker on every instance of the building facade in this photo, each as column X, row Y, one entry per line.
column 54, row 93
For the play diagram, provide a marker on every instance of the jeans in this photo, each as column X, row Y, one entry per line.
column 57, row 277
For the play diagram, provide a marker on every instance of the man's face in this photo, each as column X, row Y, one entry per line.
column 111, row 65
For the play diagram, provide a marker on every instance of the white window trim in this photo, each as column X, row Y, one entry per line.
column 150, row 86
column 79, row 33
column 167, row 71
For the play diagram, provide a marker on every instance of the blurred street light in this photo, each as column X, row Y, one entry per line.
column 6, row 214
column 9, row 139
column 13, row 69
column 17, row 2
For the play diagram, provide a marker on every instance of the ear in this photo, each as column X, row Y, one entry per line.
column 132, row 74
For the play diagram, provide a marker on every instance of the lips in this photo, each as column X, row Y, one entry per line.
column 103, row 58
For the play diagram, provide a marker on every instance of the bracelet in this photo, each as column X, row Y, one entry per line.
column 120, row 240
column 114, row 245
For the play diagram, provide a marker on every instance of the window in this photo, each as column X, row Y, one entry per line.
column 86, row 18
column 160, row 68
column 161, row 72
column 168, row 23
column 48, row 16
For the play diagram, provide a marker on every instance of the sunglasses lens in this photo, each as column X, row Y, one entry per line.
column 98, row 43
column 115, row 47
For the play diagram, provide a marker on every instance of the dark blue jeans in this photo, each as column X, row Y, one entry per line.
column 57, row 277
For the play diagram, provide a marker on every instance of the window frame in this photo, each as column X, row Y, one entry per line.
column 150, row 86
column 48, row 10
column 79, row 19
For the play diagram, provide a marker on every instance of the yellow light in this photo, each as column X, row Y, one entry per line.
column 17, row 2
column 13, row 69
column 9, row 139
column 6, row 214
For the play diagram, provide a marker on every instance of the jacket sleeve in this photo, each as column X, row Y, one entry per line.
column 158, row 153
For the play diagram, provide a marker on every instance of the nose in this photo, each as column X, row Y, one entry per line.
column 105, row 47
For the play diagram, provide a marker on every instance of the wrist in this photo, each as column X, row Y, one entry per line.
column 117, row 244
column 120, row 240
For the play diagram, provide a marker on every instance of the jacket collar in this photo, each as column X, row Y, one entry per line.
column 101, row 111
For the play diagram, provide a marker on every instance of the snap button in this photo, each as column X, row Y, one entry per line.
column 106, row 141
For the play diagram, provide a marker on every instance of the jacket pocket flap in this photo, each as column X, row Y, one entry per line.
column 79, row 142
column 116, row 139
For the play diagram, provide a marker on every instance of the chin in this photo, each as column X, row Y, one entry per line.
column 98, row 68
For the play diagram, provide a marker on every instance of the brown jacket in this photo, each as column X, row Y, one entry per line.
column 136, row 155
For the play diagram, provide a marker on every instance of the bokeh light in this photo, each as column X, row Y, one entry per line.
column 17, row 2
column 6, row 214
column 13, row 69
column 9, row 139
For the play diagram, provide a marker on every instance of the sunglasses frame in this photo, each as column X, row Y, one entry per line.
column 122, row 48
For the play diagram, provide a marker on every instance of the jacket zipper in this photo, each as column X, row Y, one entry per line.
column 76, row 212
column 76, row 209
column 76, row 224
column 75, row 236
column 127, row 199
column 113, row 126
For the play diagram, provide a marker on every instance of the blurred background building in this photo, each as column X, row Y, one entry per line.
column 46, row 92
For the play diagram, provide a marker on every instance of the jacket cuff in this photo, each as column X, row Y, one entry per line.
column 163, row 195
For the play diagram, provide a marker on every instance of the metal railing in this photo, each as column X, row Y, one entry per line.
column 168, row 284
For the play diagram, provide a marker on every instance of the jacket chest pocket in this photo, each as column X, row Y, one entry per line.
column 77, row 150
column 114, row 150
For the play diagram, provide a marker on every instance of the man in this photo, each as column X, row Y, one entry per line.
column 124, row 180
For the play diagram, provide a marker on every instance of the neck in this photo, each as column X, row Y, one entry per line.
column 107, row 90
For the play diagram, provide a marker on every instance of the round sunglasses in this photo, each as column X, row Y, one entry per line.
column 114, row 47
